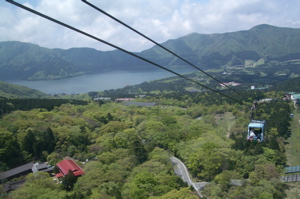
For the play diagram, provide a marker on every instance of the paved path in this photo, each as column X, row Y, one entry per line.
column 181, row 171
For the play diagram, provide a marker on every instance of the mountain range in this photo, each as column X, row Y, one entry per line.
column 28, row 61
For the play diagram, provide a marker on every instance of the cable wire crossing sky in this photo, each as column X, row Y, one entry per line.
column 112, row 45
column 159, row 20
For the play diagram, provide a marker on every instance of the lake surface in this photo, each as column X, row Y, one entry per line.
column 93, row 82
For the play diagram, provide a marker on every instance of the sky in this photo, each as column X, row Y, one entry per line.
column 160, row 20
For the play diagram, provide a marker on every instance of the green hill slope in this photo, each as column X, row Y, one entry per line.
column 16, row 91
column 213, row 50
column 292, row 85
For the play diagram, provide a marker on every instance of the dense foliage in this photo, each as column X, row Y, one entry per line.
column 292, row 85
column 7, row 105
column 129, row 147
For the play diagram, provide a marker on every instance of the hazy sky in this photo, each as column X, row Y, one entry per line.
column 160, row 20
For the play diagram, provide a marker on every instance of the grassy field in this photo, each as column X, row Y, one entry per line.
column 292, row 153
column 226, row 120
column 293, row 143
column 293, row 191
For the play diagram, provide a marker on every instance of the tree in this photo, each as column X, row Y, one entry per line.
column 168, row 120
column 50, row 139
column 28, row 144
column 112, row 127
column 224, row 179
column 264, row 172
column 212, row 190
column 112, row 189
column 109, row 117
column 8, row 148
column 143, row 185
column 93, row 177
column 106, row 158
column 38, row 185
column 138, row 150
column 69, row 181
column 182, row 193
column 207, row 161
column 160, row 155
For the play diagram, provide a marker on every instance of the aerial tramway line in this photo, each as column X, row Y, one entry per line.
column 161, row 46
column 123, row 50
column 256, row 128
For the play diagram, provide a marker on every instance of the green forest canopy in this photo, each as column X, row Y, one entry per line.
column 130, row 147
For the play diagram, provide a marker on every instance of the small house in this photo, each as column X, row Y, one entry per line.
column 68, row 165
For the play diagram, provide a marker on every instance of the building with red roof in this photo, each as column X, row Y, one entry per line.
column 66, row 165
column 229, row 84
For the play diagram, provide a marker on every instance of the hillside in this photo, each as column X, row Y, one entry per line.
column 17, row 91
column 261, row 45
column 20, row 60
column 263, row 41
column 292, row 85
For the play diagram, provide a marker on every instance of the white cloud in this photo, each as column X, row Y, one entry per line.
column 159, row 20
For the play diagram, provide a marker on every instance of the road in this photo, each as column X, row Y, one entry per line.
column 181, row 171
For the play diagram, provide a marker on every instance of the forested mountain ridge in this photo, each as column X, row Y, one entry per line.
column 264, row 42
column 292, row 85
column 16, row 91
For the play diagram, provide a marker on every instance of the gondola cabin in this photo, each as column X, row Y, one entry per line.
column 256, row 131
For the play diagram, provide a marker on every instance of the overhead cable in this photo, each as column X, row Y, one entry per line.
column 136, row 31
column 114, row 46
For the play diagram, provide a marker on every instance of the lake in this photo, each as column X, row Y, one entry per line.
column 93, row 82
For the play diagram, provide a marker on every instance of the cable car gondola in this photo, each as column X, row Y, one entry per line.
column 256, row 131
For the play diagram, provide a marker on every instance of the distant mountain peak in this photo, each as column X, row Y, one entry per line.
column 263, row 26
column 26, row 61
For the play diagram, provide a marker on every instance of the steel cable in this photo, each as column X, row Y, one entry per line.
column 114, row 46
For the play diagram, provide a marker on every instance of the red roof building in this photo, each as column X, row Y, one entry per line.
column 124, row 99
column 229, row 84
column 66, row 165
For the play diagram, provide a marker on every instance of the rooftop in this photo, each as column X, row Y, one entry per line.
column 21, row 170
column 13, row 185
column 140, row 104
column 294, row 169
column 257, row 123
column 42, row 167
column 66, row 165
column 296, row 96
